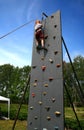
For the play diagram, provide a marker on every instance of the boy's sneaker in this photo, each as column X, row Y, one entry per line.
column 38, row 47
column 45, row 37
column 44, row 48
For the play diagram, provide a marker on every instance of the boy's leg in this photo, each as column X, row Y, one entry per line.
column 36, row 43
column 42, row 42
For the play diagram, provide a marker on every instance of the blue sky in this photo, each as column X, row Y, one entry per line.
column 16, row 48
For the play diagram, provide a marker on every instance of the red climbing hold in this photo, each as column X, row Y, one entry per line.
column 33, row 94
column 58, row 65
column 43, row 68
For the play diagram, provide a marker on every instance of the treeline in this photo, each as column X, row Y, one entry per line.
column 71, row 82
column 12, row 82
column 13, row 79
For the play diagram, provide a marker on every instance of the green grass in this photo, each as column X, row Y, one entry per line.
column 70, row 118
column 8, row 124
column 70, row 114
column 13, row 111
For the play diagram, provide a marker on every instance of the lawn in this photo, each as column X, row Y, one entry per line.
column 22, row 124
column 70, row 119
column 8, row 124
column 79, row 111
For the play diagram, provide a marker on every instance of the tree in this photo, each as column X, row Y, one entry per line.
column 5, row 78
column 79, row 67
column 70, row 79
column 12, row 81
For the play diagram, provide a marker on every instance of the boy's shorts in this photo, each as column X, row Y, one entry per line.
column 39, row 35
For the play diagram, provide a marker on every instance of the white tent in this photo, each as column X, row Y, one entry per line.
column 6, row 100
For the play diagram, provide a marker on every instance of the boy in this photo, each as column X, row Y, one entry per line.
column 39, row 35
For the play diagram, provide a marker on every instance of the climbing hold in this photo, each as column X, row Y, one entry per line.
column 33, row 95
column 35, row 128
column 50, row 78
column 44, row 93
column 40, row 103
column 31, row 107
column 56, row 127
column 45, row 37
column 45, row 85
column 36, row 80
column 47, row 108
column 55, row 26
column 51, row 61
column 35, row 84
column 58, row 65
column 35, row 117
column 55, row 52
column 54, row 37
column 30, row 123
column 42, row 58
column 48, row 44
column 53, row 99
column 43, row 68
column 57, row 113
column 48, row 118
column 52, row 16
column 33, row 66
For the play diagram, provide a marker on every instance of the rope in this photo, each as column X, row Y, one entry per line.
column 16, row 29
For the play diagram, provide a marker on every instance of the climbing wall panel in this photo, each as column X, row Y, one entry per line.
column 45, row 109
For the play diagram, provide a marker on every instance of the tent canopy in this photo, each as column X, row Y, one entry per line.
column 7, row 100
column 4, row 98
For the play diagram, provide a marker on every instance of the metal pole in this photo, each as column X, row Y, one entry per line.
column 45, row 14
column 79, row 90
column 72, row 106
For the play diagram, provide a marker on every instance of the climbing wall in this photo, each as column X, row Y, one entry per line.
column 45, row 109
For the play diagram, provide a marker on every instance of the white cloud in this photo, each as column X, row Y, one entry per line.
column 72, row 55
column 76, row 53
column 13, row 58
column 20, row 49
column 65, row 57
column 33, row 9
column 30, row 10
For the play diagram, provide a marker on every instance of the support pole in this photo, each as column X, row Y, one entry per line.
column 79, row 90
column 72, row 106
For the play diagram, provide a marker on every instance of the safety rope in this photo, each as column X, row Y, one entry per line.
column 17, row 29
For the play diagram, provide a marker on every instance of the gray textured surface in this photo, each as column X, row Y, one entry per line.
column 43, row 105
